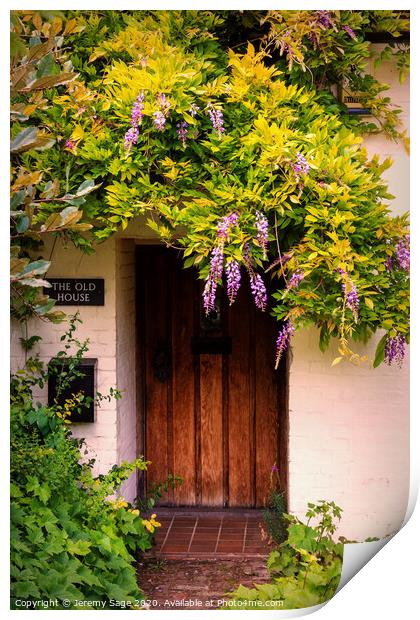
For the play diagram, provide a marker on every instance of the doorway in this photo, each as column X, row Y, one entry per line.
column 213, row 409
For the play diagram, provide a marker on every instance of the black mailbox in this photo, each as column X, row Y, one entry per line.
column 85, row 383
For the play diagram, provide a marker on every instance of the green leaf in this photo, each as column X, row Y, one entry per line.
column 22, row 224
column 49, row 82
column 24, row 140
column 380, row 351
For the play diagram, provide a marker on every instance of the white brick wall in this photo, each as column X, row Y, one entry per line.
column 349, row 425
column 99, row 326
column 126, row 359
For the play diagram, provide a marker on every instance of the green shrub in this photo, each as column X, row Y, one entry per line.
column 68, row 539
column 306, row 567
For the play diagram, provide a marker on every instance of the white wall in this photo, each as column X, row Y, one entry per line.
column 349, row 425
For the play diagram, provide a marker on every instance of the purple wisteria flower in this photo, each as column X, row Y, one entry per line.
column 389, row 263
column 395, row 350
column 70, row 145
column 295, row 279
column 159, row 117
column 216, row 117
column 350, row 293
column 131, row 137
column 137, row 111
column 233, row 276
column 182, row 132
column 216, row 270
column 300, row 166
column 313, row 38
column 261, row 224
column 163, row 103
column 403, row 253
column 226, row 223
column 350, row 32
column 324, row 18
column 283, row 339
column 258, row 290
column 159, row 120
column 194, row 109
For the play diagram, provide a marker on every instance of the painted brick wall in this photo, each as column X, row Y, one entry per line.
column 349, row 426
column 99, row 326
column 126, row 359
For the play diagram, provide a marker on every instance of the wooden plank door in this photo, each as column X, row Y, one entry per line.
column 214, row 409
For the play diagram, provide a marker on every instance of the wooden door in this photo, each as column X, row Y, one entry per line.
column 214, row 408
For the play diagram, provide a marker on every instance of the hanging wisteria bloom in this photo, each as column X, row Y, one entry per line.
column 261, row 224
column 159, row 120
column 194, row 109
column 283, row 339
column 350, row 293
column 182, row 132
column 324, row 18
column 70, row 145
column 233, row 277
column 403, row 253
column 137, row 111
column 224, row 226
column 295, row 279
column 350, row 32
column 258, row 290
column 395, row 350
column 300, row 166
column 210, row 287
column 131, row 137
column 389, row 264
column 163, row 103
column 216, row 117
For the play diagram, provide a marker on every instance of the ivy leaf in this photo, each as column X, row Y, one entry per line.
column 380, row 351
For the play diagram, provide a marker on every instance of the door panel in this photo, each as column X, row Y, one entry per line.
column 216, row 419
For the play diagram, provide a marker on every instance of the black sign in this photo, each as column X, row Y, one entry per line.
column 84, row 382
column 77, row 291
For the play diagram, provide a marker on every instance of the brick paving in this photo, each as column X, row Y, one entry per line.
column 222, row 534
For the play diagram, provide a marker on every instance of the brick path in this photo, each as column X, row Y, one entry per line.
column 201, row 556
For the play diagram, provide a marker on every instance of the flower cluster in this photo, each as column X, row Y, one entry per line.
column 159, row 117
column 210, row 287
column 295, row 279
column 194, row 109
column 403, row 253
column 395, row 350
column 261, row 224
column 233, row 276
column 255, row 280
column 350, row 32
column 151, row 524
column 137, row 113
column 324, row 18
column 216, row 266
column 349, row 289
column 258, row 290
column 300, row 166
column 226, row 223
column 216, row 117
column 182, row 132
column 70, row 145
column 389, row 263
column 283, row 339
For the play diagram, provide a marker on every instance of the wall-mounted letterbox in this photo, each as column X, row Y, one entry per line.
column 84, row 382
